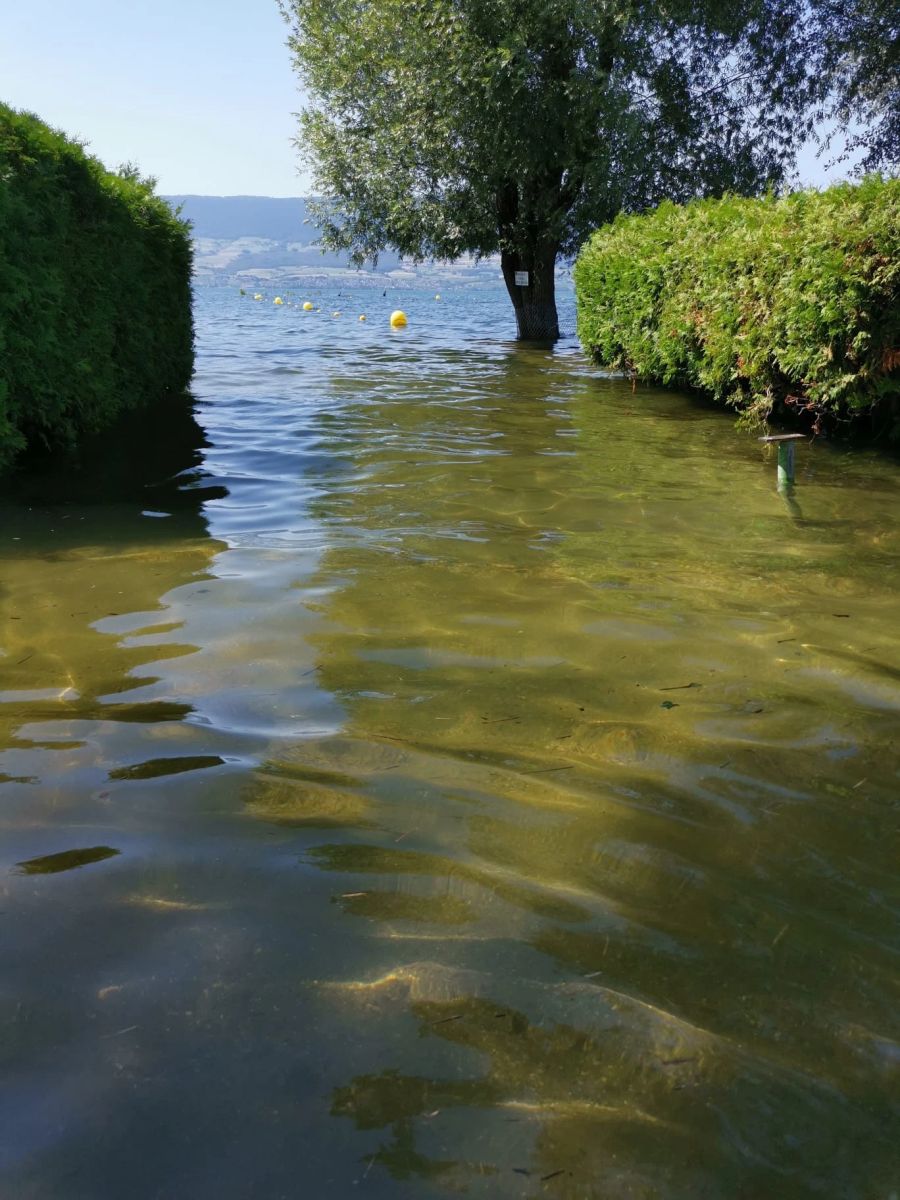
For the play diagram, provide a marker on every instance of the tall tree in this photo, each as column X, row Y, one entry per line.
column 444, row 127
column 859, row 73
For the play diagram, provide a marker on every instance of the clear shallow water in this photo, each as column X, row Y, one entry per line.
column 449, row 773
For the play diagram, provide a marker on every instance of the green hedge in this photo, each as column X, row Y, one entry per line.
column 95, row 302
column 791, row 302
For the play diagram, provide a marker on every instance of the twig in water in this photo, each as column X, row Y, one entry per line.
column 546, row 770
column 681, row 687
column 119, row 1032
column 779, row 935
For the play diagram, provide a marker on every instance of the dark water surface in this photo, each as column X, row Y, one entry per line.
column 448, row 774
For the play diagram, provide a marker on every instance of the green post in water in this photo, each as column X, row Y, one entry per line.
column 785, row 465
column 785, row 443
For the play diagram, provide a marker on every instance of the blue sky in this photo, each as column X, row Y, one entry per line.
column 198, row 93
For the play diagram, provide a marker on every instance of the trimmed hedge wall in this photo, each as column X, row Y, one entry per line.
column 791, row 302
column 95, row 300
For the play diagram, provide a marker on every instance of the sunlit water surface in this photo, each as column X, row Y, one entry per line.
column 452, row 772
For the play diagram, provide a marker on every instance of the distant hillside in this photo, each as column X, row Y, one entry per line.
column 262, row 241
column 256, row 240
column 227, row 218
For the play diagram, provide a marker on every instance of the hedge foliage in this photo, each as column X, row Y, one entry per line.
column 95, row 303
column 791, row 301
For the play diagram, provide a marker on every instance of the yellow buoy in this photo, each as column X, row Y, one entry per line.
column 438, row 296
column 258, row 296
column 337, row 313
column 363, row 317
column 307, row 306
column 278, row 300
column 398, row 319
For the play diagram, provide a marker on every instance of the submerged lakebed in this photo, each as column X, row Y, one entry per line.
column 443, row 770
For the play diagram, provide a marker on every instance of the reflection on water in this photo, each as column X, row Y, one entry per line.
column 502, row 781
column 82, row 560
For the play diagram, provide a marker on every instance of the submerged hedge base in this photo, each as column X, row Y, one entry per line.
column 774, row 303
column 95, row 302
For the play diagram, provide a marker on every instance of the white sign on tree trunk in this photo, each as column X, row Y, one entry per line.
column 521, row 279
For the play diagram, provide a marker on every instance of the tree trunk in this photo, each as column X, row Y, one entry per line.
column 535, row 301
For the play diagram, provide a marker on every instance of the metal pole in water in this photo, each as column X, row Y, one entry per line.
column 785, row 463
column 785, row 443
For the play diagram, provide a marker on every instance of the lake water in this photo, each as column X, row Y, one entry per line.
column 443, row 770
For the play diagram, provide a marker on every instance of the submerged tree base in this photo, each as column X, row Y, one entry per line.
column 531, row 283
